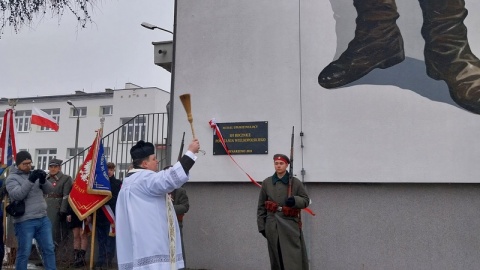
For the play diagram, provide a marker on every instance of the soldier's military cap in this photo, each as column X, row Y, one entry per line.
column 55, row 162
column 281, row 157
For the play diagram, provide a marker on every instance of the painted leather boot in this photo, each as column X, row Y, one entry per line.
column 377, row 43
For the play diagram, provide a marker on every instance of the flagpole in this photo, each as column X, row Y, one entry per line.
column 12, row 103
column 94, row 229
column 75, row 157
column 92, row 241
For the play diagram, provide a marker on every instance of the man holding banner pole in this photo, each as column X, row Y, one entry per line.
column 144, row 211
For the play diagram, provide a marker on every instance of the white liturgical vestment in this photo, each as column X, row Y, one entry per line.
column 142, row 230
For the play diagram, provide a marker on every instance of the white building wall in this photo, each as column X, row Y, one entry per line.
column 391, row 132
column 393, row 125
column 126, row 103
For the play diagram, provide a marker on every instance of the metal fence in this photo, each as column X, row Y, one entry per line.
column 148, row 127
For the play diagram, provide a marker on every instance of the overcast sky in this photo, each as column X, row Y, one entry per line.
column 58, row 57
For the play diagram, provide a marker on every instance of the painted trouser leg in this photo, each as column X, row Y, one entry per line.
column 447, row 53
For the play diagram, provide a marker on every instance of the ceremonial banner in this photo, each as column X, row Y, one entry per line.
column 91, row 188
column 8, row 149
column 43, row 119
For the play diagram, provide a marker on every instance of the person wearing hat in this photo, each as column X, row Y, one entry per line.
column 57, row 200
column 278, row 217
column 31, row 186
column 147, row 231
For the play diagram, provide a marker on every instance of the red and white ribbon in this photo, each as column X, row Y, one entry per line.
column 107, row 210
column 215, row 128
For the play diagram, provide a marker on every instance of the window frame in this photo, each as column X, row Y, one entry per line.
column 102, row 112
column 45, row 158
column 23, row 119
column 82, row 112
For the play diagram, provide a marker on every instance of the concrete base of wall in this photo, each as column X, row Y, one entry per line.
column 357, row 226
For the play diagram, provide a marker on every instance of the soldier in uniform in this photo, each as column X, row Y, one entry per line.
column 181, row 206
column 278, row 217
column 57, row 201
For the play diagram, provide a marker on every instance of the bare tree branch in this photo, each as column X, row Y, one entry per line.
column 19, row 13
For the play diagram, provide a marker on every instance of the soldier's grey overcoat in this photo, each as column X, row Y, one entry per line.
column 284, row 234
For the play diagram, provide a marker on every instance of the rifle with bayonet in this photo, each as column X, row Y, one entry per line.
column 290, row 170
column 180, row 154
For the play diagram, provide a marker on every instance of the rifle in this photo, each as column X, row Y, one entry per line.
column 290, row 170
column 181, row 147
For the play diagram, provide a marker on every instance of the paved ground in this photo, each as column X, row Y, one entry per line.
column 31, row 266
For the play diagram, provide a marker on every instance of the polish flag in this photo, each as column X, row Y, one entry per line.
column 42, row 119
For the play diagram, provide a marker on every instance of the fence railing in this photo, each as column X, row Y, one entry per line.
column 148, row 127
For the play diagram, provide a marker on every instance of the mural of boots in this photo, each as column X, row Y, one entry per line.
column 377, row 44
column 447, row 53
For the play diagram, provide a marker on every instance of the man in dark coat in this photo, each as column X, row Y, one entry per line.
column 278, row 217
column 106, row 242
column 181, row 206
column 57, row 200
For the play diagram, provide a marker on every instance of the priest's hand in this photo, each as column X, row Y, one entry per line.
column 194, row 146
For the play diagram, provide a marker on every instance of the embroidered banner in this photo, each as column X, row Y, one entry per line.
column 83, row 198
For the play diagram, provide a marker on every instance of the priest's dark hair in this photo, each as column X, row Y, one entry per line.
column 137, row 163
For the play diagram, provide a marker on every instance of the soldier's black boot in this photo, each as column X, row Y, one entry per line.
column 377, row 44
column 80, row 261
column 447, row 53
column 75, row 256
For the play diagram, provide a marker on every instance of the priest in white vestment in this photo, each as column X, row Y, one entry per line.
column 147, row 232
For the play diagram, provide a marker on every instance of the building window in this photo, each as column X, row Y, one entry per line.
column 133, row 130
column 80, row 157
column 44, row 156
column 71, row 152
column 106, row 151
column 82, row 112
column 22, row 120
column 55, row 114
column 106, row 110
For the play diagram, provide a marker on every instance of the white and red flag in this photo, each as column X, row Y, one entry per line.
column 8, row 149
column 43, row 119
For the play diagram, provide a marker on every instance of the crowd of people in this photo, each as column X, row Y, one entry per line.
column 48, row 218
column 147, row 239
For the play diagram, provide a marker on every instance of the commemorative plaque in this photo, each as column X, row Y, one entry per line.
column 242, row 138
